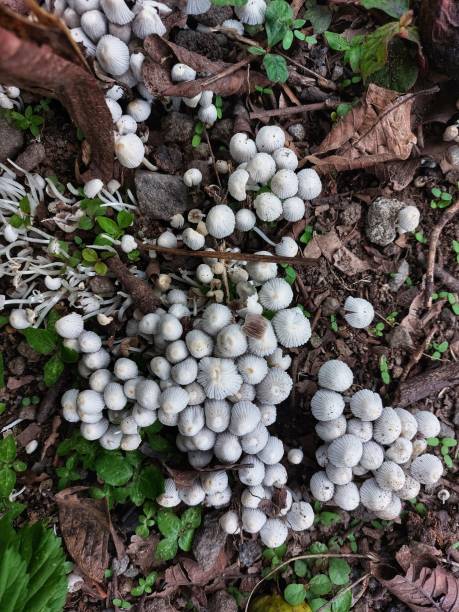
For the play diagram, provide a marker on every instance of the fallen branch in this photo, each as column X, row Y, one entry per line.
column 297, row 261
column 447, row 216
column 295, row 110
column 140, row 291
column 418, row 353
column 369, row 556
column 427, row 384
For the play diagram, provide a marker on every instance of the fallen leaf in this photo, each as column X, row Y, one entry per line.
column 425, row 590
column 35, row 61
column 85, row 528
column 141, row 552
column 331, row 247
column 31, row 432
column 377, row 130
column 221, row 77
column 398, row 174
column 417, row 554
column 188, row 572
column 15, row 383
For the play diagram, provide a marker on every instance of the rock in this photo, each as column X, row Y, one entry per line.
column 297, row 131
column 215, row 16
column 382, row 220
column 101, row 285
column 11, row 140
column 177, row 127
column 453, row 155
column 168, row 158
column 17, row 366
column 160, row 196
column 399, row 338
column 33, row 155
column 249, row 552
column 351, row 213
column 223, row 130
column 209, row 542
column 221, row 601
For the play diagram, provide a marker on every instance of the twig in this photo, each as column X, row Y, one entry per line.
column 418, row 353
column 435, row 235
column 141, row 292
column 294, row 110
column 348, row 588
column 369, row 556
column 297, row 261
column 322, row 81
column 427, row 384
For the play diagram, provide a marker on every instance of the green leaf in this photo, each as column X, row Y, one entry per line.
column 168, row 523
column 159, row 444
column 319, row 16
column 112, row 468
column 343, row 603
column 287, row 40
column 7, row 449
column 433, row 441
column 196, row 140
column 318, row 548
column 41, row 340
column 108, row 226
column 320, row 584
column 256, row 50
column 278, row 18
column 53, row 370
column 316, row 604
column 294, row 594
column 7, row 481
column 150, row 482
column 276, row 68
column 300, row 568
column 394, row 8
column 100, row 268
column 290, row 275
column 337, row 42
column 191, row 518
column 307, row 235
column 185, row 540
column 124, row 219
column 329, row 518
column 89, row 255
column 229, row 2
column 449, row 442
column 448, row 461
column 166, row 549
column 401, row 69
column 339, row 571
column 376, row 48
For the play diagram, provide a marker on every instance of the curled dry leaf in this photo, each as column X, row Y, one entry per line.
column 222, row 78
column 424, row 589
column 37, row 61
column 85, row 528
column 331, row 247
column 376, row 131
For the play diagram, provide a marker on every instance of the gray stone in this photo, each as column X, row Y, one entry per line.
column 177, row 127
column 160, row 196
column 382, row 220
column 221, row 601
column 399, row 338
column 11, row 140
column 209, row 542
column 33, row 155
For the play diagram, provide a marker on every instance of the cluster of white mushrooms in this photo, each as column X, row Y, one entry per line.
column 219, row 383
column 9, row 97
column 383, row 447
column 207, row 111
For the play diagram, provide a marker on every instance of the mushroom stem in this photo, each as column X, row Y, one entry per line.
column 263, row 235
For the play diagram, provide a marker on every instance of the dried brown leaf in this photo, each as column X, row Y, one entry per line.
column 426, row 589
column 331, row 247
column 189, row 572
column 39, row 58
column 141, row 552
column 86, row 531
column 222, row 78
column 376, row 131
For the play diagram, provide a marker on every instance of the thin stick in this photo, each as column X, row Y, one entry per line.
column 298, row 261
column 348, row 588
column 295, row 110
column 447, row 216
column 320, row 79
column 368, row 556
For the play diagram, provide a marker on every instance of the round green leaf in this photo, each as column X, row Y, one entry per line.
column 185, row 540
column 339, row 570
column 100, row 268
column 276, row 68
column 150, row 482
column 166, row 549
column 7, row 449
column 316, row 604
column 300, row 568
column 320, row 584
column 168, row 523
column 294, row 594
column 89, row 255
column 41, row 340
column 112, row 468
column 191, row 518
column 108, row 226
column 343, row 603
column 7, row 481
column 53, row 370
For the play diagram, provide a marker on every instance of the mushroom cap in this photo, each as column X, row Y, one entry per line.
column 231, row 341
column 169, row 498
column 130, row 150
column 388, row 427
column 261, row 168
column 321, row 487
column 117, row 11
column 359, row 312
column 327, row 405
column 245, row 416
column 287, row 247
column 345, row 451
column 285, row 159
column 218, row 377
column 272, row 452
column 255, row 441
column 400, row 451
column 199, row 343
column 253, row 520
column 346, row 496
column 252, row 12
column 229, row 522
column 392, row 510
column 191, row 420
column 215, row 317
column 292, row 328
column 410, row 489
column 275, row 387
column 427, row 469
column 268, row 206
column 300, row 516
column 390, row 476
column 147, row 394
column 372, row 455
column 293, row 209
column 218, row 415
column 112, row 55
column 373, row 497
column 268, row 414
column 408, row 219
column 261, row 271
column 214, row 482
column 428, row 424
column 253, row 369
column 173, row 400
column 254, row 473
column 275, row 475
column 338, row 475
column 192, row 496
column 284, row 184
column 220, row 221
column 309, row 184
column 274, row 532
column 335, row 375
column 330, row 430
column 361, row 429
column 237, row 182
column 114, row 397
column 276, row 294
column 409, row 423
column 269, row 138
column 185, row 372
column 125, row 369
column 227, row 448
column 242, row 148
column 70, row 326
column 245, row 220
column 366, row 405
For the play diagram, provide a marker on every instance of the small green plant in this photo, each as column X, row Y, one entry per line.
column 438, row 348
column 32, row 567
column 28, row 121
column 341, row 110
column 387, row 56
column 451, row 297
column 325, row 517
column 197, row 135
column 455, row 247
column 441, row 198
column 307, row 234
column 46, row 341
column 146, row 520
column 145, row 585
column 289, row 274
column 333, row 323
column 378, row 329
column 418, row 507
column 446, row 445
column 9, row 466
column 419, row 236
column 219, row 106
column 178, row 532
column 121, row 603
column 264, row 91
column 384, row 370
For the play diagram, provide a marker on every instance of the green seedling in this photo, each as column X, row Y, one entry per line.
column 333, row 323
column 451, row 297
column 384, row 370
column 438, row 349
column 446, row 445
column 197, row 134
column 9, row 466
column 146, row 520
column 307, row 234
column 441, row 198
column 145, row 585
column 121, row 603
column 421, row 238
column 266, row 91
column 177, row 532
column 27, row 121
